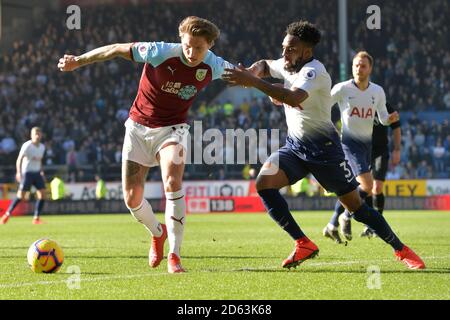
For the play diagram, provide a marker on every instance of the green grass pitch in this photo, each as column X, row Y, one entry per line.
column 227, row 256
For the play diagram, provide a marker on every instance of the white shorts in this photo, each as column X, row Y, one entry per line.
column 141, row 144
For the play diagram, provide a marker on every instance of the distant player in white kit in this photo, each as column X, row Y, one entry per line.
column 29, row 173
column 359, row 100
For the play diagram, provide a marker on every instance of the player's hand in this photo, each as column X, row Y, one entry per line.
column 255, row 70
column 394, row 117
column 18, row 177
column 239, row 76
column 395, row 157
column 68, row 63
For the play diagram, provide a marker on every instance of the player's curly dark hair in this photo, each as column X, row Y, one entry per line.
column 305, row 31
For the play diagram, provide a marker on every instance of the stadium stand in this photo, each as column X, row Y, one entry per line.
column 82, row 113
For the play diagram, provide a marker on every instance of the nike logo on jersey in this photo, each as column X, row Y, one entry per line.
column 349, row 98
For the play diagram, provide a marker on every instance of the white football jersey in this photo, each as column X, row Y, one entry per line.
column 32, row 157
column 358, row 109
column 312, row 121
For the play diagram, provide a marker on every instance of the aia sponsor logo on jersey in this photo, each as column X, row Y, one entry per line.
column 361, row 112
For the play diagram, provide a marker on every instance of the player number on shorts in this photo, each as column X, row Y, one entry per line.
column 348, row 172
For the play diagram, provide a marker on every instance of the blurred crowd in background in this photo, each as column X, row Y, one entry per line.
column 82, row 113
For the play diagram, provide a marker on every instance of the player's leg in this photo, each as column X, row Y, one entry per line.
column 331, row 229
column 136, row 160
column 341, row 217
column 372, row 218
column 39, row 183
column 378, row 187
column 340, row 180
column 381, row 162
column 172, row 162
column 281, row 169
column 133, row 180
column 359, row 158
column 24, row 187
column 365, row 181
column 40, row 195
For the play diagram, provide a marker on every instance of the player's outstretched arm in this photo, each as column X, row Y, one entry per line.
column 261, row 68
column 242, row 77
column 71, row 62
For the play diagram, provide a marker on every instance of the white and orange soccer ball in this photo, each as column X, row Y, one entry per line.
column 45, row 256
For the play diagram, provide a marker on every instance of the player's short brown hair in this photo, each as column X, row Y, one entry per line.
column 364, row 54
column 199, row 27
column 36, row 129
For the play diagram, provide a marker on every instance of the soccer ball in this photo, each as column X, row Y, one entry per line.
column 45, row 256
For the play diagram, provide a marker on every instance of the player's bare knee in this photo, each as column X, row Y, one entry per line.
column 172, row 184
column 262, row 182
column 377, row 188
column 351, row 201
column 367, row 190
column 132, row 199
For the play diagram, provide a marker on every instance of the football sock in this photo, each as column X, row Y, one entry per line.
column 364, row 197
column 379, row 202
column 12, row 206
column 376, row 221
column 38, row 207
column 278, row 209
column 338, row 210
column 175, row 219
column 144, row 214
column 362, row 193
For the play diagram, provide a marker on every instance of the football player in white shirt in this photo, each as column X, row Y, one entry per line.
column 29, row 173
column 313, row 144
column 359, row 100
